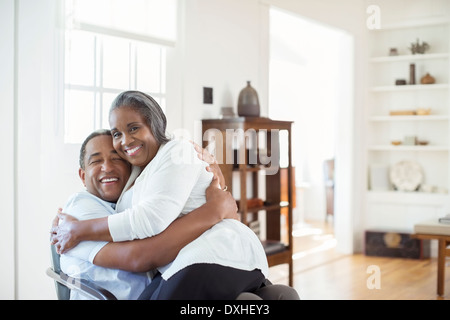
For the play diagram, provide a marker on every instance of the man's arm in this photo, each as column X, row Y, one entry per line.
column 213, row 167
column 157, row 251
column 67, row 231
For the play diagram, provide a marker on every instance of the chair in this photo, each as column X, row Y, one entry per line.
column 64, row 283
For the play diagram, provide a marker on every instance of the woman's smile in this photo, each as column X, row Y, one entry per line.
column 132, row 151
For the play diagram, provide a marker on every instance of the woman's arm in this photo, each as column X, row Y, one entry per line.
column 146, row 254
column 174, row 180
column 68, row 231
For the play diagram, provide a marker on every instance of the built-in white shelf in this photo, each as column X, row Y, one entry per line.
column 419, row 148
column 410, row 57
column 412, row 198
column 415, row 23
column 390, row 208
column 410, row 118
column 414, row 87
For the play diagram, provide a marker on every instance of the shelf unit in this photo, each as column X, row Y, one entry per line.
column 254, row 155
column 384, row 95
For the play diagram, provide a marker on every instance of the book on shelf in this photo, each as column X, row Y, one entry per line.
column 445, row 219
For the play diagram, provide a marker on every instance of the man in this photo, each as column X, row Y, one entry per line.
column 120, row 267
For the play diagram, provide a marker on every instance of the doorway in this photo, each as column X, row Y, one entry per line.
column 310, row 83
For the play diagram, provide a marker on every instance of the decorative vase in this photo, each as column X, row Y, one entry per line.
column 427, row 79
column 248, row 102
column 412, row 73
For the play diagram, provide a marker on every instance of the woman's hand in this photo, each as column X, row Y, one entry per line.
column 222, row 202
column 213, row 167
column 64, row 232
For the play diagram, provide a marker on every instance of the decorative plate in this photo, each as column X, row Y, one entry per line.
column 406, row 175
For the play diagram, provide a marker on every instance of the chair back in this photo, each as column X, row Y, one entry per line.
column 62, row 292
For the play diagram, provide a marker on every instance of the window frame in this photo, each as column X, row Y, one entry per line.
column 97, row 88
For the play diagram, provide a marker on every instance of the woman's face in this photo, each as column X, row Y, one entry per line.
column 132, row 137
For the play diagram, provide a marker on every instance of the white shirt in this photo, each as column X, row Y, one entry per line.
column 175, row 181
column 78, row 262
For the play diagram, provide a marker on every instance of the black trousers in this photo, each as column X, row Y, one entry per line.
column 204, row 281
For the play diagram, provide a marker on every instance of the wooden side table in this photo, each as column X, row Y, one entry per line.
column 443, row 251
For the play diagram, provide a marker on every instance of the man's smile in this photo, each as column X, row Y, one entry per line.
column 108, row 180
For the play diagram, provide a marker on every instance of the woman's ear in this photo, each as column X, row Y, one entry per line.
column 82, row 175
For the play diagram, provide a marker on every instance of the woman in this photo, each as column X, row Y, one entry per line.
column 225, row 260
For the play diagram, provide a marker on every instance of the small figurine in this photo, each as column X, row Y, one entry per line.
column 419, row 48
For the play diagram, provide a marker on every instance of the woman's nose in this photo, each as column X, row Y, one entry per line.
column 126, row 139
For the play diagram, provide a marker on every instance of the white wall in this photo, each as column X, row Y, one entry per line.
column 47, row 169
column 34, row 67
column 7, row 186
column 221, row 49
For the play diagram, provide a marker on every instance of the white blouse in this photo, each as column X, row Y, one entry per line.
column 175, row 182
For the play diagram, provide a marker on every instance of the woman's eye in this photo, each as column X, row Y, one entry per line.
column 116, row 135
column 134, row 129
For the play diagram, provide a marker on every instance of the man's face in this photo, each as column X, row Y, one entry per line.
column 105, row 173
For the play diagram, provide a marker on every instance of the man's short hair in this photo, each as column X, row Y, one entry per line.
column 96, row 133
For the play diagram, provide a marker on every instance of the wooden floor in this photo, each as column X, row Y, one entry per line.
column 320, row 273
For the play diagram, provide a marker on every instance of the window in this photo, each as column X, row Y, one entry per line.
column 108, row 53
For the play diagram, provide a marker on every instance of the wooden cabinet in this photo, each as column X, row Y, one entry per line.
column 254, row 155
